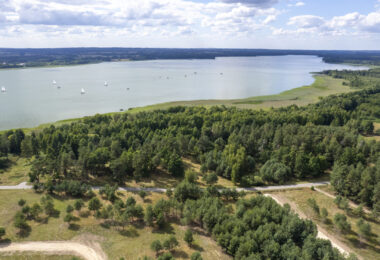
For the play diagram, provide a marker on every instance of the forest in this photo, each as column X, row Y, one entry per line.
column 249, row 147
column 18, row 58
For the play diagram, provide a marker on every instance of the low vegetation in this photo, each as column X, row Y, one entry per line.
column 358, row 230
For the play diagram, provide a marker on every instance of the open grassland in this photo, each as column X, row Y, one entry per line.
column 17, row 171
column 37, row 257
column 366, row 248
column 131, row 243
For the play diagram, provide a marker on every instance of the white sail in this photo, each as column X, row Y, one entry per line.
column 105, row 83
column 54, row 82
column 82, row 91
column 3, row 89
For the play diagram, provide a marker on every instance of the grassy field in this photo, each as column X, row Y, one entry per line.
column 17, row 171
column 367, row 248
column 131, row 243
column 38, row 257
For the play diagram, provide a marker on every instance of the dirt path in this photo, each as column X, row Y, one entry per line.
column 55, row 248
column 322, row 233
column 352, row 204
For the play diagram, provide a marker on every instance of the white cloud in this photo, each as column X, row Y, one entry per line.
column 257, row 3
column 306, row 21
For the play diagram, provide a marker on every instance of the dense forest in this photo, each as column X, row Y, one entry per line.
column 16, row 58
column 249, row 147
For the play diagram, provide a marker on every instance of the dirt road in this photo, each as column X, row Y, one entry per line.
column 322, row 233
column 55, row 248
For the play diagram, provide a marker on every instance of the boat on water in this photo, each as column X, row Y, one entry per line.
column 58, row 87
column 105, row 83
column 3, row 89
column 54, row 82
column 127, row 88
column 82, row 91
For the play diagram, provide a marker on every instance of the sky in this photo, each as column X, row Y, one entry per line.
column 275, row 24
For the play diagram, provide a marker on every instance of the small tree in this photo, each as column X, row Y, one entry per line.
column 358, row 211
column 48, row 205
column 69, row 218
column 313, row 204
column 69, row 209
column 170, row 243
column 196, row 256
column 20, row 222
column 340, row 221
column 2, row 233
column 169, row 193
column 143, row 194
column 166, row 256
column 188, row 237
column 364, row 228
column 78, row 204
column 130, row 202
column 191, row 176
column 324, row 214
column 210, row 178
column 35, row 211
column 156, row 246
column 94, row 204
column 148, row 218
column 21, row 202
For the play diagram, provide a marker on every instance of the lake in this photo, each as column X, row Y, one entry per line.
column 31, row 98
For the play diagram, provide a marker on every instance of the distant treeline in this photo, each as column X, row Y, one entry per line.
column 14, row 58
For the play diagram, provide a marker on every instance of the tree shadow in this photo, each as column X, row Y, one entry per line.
column 130, row 232
column 166, row 229
column 74, row 227
column 197, row 247
column 25, row 232
column 179, row 254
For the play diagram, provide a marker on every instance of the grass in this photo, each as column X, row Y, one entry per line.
column 37, row 257
column 368, row 249
column 133, row 243
column 17, row 171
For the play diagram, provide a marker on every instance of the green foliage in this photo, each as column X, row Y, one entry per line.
column 210, row 178
column 78, row 204
column 166, row 256
column 2, row 233
column 109, row 192
column 94, row 204
column 313, row 204
column 188, row 238
column 156, row 246
column 143, row 194
column 187, row 190
column 196, row 256
column 170, row 243
column 341, row 223
column 274, row 171
column 21, row 202
column 69, row 209
column 191, row 176
column 364, row 228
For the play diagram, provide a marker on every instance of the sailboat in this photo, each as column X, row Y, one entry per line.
column 82, row 91
column 105, row 83
column 3, row 89
column 54, row 82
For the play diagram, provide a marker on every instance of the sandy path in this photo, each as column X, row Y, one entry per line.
column 322, row 233
column 352, row 204
column 55, row 248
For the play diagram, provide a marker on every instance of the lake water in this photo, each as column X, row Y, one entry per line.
column 31, row 97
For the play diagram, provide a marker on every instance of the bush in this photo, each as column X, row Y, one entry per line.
column 188, row 237
column 2, row 232
column 21, row 202
column 196, row 256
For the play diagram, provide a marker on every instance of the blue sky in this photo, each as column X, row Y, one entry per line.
column 290, row 24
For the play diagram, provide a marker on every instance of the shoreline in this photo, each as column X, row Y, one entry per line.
column 321, row 87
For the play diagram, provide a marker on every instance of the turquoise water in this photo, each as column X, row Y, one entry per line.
column 31, row 98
